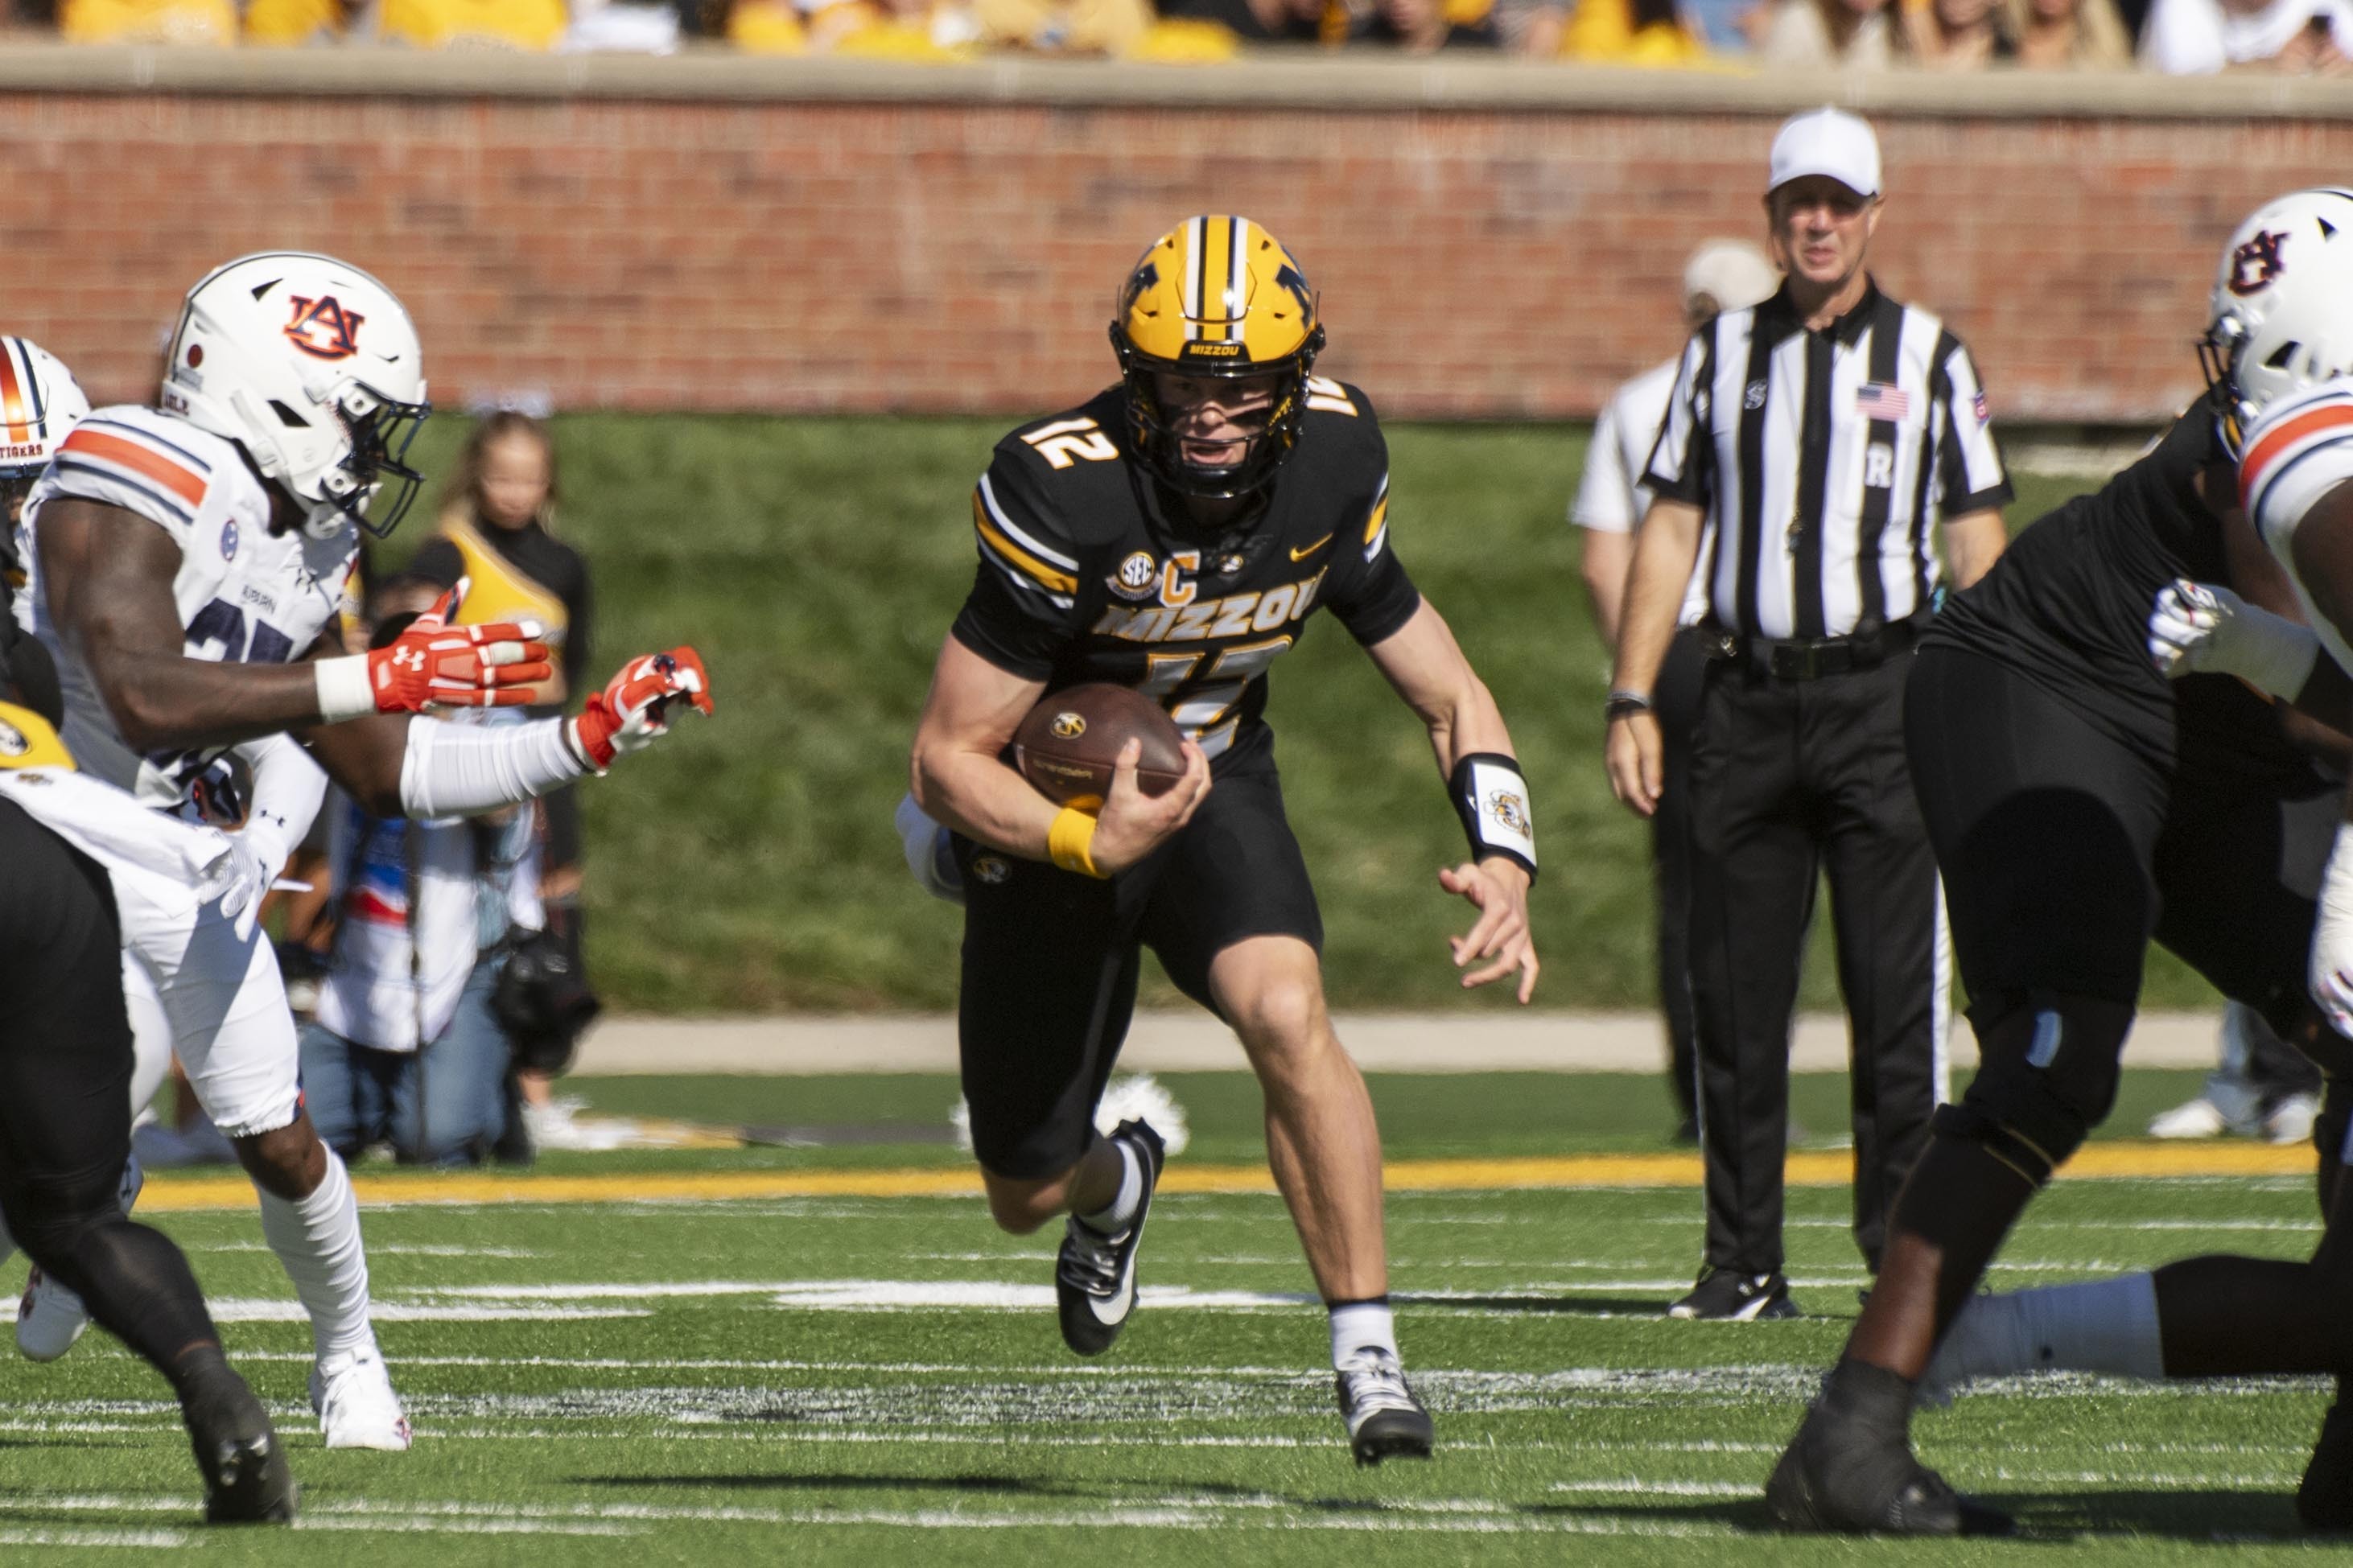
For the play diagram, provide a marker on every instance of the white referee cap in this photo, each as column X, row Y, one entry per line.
column 1826, row 141
column 1732, row 272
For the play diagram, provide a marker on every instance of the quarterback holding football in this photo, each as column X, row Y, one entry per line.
column 1172, row 535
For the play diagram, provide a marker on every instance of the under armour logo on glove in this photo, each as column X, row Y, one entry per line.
column 435, row 664
column 630, row 713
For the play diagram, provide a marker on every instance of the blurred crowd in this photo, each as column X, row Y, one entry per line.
column 2185, row 37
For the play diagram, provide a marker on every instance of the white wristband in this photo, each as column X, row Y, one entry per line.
column 2330, row 971
column 345, row 691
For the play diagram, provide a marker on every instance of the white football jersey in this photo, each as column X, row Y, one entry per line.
column 2299, row 450
column 246, row 595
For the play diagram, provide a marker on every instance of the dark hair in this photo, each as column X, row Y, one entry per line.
column 380, row 593
column 464, row 490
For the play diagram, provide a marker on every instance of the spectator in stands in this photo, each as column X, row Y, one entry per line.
column 1860, row 34
column 531, row 24
column 2069, row 35
column 404, row 1048
column 147, row 21
column 1419, row 27
column 1959, row 35
column 1605, row 32
column 496, row 530
column 2296, row 37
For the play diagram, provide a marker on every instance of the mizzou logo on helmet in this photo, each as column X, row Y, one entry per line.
column 1069, row 726
column 322, row 328
column 2255, row 264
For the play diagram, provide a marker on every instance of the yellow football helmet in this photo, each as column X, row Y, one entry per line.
column 1216, row 296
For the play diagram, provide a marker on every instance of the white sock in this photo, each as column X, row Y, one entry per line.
column 317, row 1240
column 2102, row 1325
column 1362, row 1325
column 1120, row 1212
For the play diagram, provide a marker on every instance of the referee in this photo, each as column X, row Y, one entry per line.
column 1816, row 437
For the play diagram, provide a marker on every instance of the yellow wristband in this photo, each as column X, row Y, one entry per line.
column 1071, row 840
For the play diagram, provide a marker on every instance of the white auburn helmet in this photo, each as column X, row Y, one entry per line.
column 313, row 367
column 2281, row 309
column 39, row 402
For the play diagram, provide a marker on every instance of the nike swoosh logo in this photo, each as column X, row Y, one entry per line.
column 1303, row 554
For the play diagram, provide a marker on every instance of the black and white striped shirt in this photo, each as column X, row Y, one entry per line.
column 1822, row 459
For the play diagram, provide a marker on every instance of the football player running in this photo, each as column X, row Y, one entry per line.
column 39, row 402
column 184, row 567
column 2281, row 350
column 2080, row 805
column 1173, row 535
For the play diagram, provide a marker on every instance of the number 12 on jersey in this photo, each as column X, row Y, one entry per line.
column 1200, row 707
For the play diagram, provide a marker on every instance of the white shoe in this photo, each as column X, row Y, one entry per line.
column 2198, row 1118
column 2290, row 1121
column 356, row 1405
column 51, row 1317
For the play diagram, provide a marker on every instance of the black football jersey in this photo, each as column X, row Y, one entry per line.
column 2068, row 603
column 1091, row 569
column 2068, row 606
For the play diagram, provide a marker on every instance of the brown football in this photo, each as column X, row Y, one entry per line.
column 1067, row 745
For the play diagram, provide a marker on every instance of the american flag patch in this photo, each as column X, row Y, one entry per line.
column 1985, row 410
column 1881, row 401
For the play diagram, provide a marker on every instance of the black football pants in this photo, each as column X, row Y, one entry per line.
column 1676, row 699
column 1791, row 779
column 65, row 1099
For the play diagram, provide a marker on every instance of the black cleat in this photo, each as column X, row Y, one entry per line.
column 1095, row 1277
column 247, row 1479
column 1854, row 1477
column 1385, row 1420
column 2324, row 1498
column 1724, row 1297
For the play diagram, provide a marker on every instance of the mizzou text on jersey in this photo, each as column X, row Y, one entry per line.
column 1087, row 573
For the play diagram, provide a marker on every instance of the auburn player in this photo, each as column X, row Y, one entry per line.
column 1174, row 534
column 2080, row 805
column 2283, row 333
column 39, row 402
column 185, row 566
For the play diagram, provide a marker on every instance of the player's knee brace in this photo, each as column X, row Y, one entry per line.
column 2047, row 1075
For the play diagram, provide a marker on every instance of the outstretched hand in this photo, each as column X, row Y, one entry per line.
column 1498, row 890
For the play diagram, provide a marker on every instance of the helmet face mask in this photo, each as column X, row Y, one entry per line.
column 1216, row 300
column 381, row 429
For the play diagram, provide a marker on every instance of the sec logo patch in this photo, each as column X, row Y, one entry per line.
column 229, row 539
column 12, row 741
column 1136, row 576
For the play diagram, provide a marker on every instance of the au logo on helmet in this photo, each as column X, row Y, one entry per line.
column 323, row 328
column 2254, row 264
column 1069, row 726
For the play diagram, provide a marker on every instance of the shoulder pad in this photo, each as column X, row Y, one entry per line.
column 143, row 462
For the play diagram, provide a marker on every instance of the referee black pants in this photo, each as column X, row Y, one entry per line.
column 1675, row 700
column 1791, row 779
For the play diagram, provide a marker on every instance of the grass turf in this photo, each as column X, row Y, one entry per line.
column 749, row 865
column 854, row 1380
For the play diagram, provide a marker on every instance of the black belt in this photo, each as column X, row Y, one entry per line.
column 1809, row 659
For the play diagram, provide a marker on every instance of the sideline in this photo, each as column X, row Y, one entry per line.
column 2137, row 1161
column 1189, row 1040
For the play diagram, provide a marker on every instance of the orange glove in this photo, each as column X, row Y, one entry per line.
column 630, row 713
column 436, row 663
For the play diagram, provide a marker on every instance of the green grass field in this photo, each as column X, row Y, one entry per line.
column 870, row 1379
column 750, row 865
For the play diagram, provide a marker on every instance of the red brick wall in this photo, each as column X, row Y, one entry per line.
column 812, row 256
